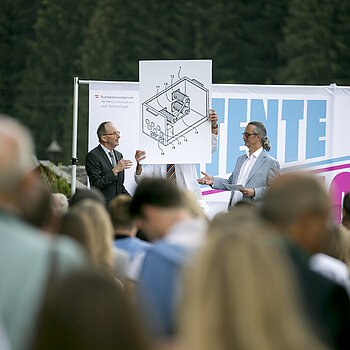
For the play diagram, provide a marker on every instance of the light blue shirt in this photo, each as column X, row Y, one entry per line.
column 132, row 245
column 25, row 255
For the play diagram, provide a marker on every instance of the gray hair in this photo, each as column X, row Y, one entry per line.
column 17, row 140
column 261, row 130
column 59, row 202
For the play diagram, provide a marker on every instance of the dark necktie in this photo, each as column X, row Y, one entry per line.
column 112, row 155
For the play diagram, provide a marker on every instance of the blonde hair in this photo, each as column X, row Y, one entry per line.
column 190, row 202
column 241, row 296
column 119, row 212
column 99, row 230
column 339, row 246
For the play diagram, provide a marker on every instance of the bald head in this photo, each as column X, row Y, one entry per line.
column 16, row 153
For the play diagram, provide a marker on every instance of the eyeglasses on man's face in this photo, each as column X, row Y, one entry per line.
column 115, row 133
column 246, row 134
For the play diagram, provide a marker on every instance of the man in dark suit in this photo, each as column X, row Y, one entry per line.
column 104, row 165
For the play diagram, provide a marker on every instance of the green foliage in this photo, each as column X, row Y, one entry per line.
column 17, row 20
column 45, row 43
column 55, row 183
column 316, row 48
column 43, row 103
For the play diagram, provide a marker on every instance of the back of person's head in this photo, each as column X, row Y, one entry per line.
column 244, row 203
column 346, row 211
column 59, row 203
column 339, row 244
column 191, row 203
column 225, row 222
column 75, row 225
column 37, row 208
column 119, row 211
column 298, row 206
column 16, row 156
column 98, row 229
column 88, row 310
column 82, row 194
column 242, row 286
column 291, row 195
column 155, row 192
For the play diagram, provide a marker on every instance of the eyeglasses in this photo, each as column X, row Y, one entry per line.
column 115, row 133
column 246, row 134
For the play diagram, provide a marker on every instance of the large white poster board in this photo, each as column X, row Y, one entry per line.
column 118, row 103
column 174, row 109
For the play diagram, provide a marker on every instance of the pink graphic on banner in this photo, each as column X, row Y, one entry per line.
column 206, row 193
column 340, row 184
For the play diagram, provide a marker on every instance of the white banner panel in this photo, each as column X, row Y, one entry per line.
column 118, row 103
column 174, row 109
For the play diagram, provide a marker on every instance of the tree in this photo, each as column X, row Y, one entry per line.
column 44, row 103
column 17, row 18
column 316, row 46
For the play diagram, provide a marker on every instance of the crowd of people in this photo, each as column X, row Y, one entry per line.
column 151, row 271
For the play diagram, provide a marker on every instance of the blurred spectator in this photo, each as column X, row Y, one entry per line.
column 158, row 206
column 74, row 225
column 125, row 227
column 193, row 204
column 4, row 342
column 346, row 211
column 37, row 205
column 81, row 194
column 89, row 223
column 243, row 203
column 59, row 203
column 241, row 293
column 88, row 311
column 334, row 262
column 241, row 211
column 299, row 207
column 25, row 252
column 339, row 245
column 43, row 209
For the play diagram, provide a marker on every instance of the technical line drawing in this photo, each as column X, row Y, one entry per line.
column 175, row 111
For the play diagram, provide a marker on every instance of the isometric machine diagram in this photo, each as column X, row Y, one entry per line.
column 175, row 111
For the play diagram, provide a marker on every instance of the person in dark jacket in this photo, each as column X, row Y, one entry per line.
column 299, row 208
column 104, row 165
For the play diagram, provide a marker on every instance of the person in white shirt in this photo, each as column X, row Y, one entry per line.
column 186, row 174
column 254, row 171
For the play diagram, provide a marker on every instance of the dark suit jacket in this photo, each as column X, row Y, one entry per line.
column 99, row 170
column 326, row 304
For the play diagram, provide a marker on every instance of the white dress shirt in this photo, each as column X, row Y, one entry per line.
column 186, row 174
column 244, row 173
